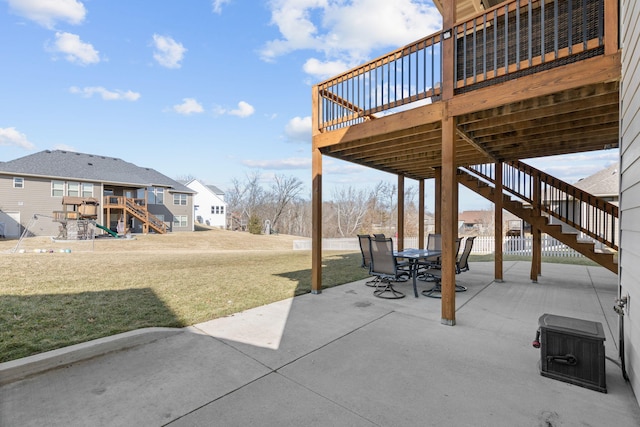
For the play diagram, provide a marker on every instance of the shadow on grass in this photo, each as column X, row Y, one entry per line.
column 31, row 324
column 337, row 269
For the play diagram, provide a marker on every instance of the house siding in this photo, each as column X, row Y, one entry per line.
column 33, row 199
column 629, row 256
column 177, row 210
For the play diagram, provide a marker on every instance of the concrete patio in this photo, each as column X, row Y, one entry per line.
column 342, row 358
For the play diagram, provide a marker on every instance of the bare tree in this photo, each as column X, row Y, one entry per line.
column 284, row 191
column 245, row 197
column 350, row 208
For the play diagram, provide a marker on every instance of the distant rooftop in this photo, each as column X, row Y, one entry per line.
column 603, row 183
column 88, row 167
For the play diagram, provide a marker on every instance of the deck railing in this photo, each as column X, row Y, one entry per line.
column 507, row 41
column 526, row 36
column 410, row 74
column 585, row 212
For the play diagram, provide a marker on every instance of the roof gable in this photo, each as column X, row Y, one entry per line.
column 605, row 182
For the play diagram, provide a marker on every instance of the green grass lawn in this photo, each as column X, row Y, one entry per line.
column 48, row 301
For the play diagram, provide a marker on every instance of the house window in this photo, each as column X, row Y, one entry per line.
column 155, row 196
column 180, row 199
column 221, row 210
column 180, row 221
column 151, row 196
column 73, row 189
column 87, row 190
column 18, row 182
column 57, row 188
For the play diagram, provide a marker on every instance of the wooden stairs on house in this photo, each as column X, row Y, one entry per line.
column 136, row 208
column 140, row 212
column 536, row 198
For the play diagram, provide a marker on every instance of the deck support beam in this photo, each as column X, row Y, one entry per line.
column 316, row 219
column 316, row 198
column 536, row 249
column 400, row 221
column 498, row 232
column 449, row 200
column 421, row 214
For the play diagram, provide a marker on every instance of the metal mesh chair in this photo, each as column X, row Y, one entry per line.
column 385, row 267
column 433, row 271
column 365, row 250
column 462, row 264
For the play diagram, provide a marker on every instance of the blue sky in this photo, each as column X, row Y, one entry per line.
column 214, row 89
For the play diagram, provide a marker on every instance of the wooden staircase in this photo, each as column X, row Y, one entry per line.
column 145, row 216
column 535, row 197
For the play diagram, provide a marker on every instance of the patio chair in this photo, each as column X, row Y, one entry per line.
column 385, row 267
column 462, row 264
column 365, row 250
column 433, row 271
column 434, row 242
column 379, row 236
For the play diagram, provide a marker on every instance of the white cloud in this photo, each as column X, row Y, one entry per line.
column 279, row 164
column 188, row 106
column 48, row 12
column 168, row 52
column 217, row 5
column 324, row 69
column 244, row 110
column 299, row 129
column 348, row 29
column 107, row 95
column 74, row 49
column 10, row 136
column 64, row 147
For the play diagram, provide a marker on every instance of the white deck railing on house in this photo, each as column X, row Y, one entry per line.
column 481, row 245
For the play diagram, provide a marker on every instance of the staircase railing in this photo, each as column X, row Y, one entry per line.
column 583, row 211
column 144, row 215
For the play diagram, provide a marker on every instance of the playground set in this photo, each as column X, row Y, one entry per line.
column 78, row 219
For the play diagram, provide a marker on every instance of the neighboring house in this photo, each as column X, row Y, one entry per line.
column 604, row 184
column 143, row 200
column 209, row 205
column 481, row 222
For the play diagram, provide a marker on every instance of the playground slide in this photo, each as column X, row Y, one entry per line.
column 113, row 233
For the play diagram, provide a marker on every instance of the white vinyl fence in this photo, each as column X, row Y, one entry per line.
column 481, row 245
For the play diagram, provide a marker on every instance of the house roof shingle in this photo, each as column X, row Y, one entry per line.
column 88, row 167
column 602, row 183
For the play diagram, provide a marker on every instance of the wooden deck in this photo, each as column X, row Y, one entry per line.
column 522, row 79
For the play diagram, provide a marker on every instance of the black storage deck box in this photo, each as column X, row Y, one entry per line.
column 572, row 350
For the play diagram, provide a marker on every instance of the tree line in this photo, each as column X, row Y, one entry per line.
column 283, row 205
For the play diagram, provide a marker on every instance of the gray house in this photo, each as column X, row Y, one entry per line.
column 45, row 189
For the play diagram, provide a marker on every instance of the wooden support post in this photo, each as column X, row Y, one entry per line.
column 448, row 75
column 316, row 220
column 449, row 230
column 536, row 249
column 400, row 221
column 611, row 26
column 536, row 254
column 421, row 214
column 437, row 210
column 316, row 197
column 498, row 232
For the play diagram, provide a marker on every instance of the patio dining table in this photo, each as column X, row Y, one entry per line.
column 413, row 256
